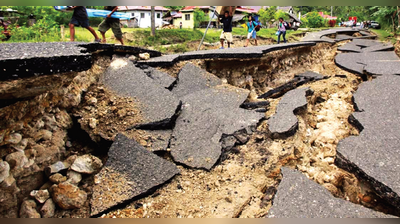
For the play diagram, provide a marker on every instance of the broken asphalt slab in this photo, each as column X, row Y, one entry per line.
column 321, row 36
column 374, row 155
column 375, row 63
column 21, row 60
column 366, row 46
column 156, row 102
column 160, row 77
column 206, row 116
column 299, row 197
column 130, row 171
column 192, row 79
column 285, row 120
column 242, row 52
column 297, row 81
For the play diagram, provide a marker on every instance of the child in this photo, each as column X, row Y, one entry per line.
column 251, row 25
column 282, row 30
column 112, row 23
column 80, row 18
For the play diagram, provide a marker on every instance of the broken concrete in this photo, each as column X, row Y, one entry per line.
column 160, row 77
column 299, row 197
column 374, row 156
column 207, row 115
column 156, row 103
column 284, row 120
column 192, row 79
column 366, row 46
column 321, row 36
column 130, row 171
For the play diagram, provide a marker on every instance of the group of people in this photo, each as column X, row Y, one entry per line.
column 252, row 27
column 81, row 18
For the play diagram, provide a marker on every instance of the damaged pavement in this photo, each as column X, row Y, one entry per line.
column 187, row 144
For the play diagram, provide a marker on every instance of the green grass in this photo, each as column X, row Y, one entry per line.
column 385, row 35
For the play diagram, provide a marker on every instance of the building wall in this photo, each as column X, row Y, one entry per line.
column 187, row 23
column 146, row 21
column 177, row 22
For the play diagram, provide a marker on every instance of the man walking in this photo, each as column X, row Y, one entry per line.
column 112, row 23
column 226, row 33
column 80, row 18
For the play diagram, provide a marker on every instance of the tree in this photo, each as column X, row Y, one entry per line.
column 387, row 16
column 175, row 7
column 267, row 16
column 199, row 17
column 153, row 21
column 281, row 14
column 314, row 20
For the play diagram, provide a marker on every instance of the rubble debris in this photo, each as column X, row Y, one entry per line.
column 86, row 164
column 56, row 167
column 4, row 170
column 284, row 120
column 57, row 178
column 68, row 196
column 299, row 197
column 144, row 56
column 162, row 78
column 48, row 209
column 74, row 177
column 40, row 195
column 28, row 210
column 156, row 103
column 377, row 142
column 129, row 172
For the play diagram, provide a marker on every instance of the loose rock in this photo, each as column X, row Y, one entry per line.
column 57, row 178
column 40, row 195
column 28, row 210
column 43, row 135
column 14, row 138
column 68, row 196
column 4, row 170
column 74, row 177
column 144, row 56
column 48, row 209
column 87, row 164
column 56, row 167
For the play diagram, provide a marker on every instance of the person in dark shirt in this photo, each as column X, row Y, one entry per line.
column 112, row 23
column 226, row 33
column 80, row 18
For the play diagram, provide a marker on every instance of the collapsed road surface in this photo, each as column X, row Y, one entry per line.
column 201, row 134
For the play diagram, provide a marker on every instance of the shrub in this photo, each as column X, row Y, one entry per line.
column 314, row 20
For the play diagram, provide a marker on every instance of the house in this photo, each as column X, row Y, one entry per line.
column 287, row 9
column 188, row 16
column 142, row 16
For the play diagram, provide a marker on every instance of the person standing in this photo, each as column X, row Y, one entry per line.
column 282, row 30
column 251, row 32
column 80, row 18
column 112, row 23
column 180, row 25
column 226, row 33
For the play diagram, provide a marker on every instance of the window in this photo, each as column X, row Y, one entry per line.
column 142, row 15
column 158, row 15
column 133, row 14
column 187, row 16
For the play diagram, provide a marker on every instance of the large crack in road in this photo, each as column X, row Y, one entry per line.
column 207, row 135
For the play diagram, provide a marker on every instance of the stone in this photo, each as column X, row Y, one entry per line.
column 206, row 116
column 192, row 78
column 86, row 164
column 284, row 120
column 74, row 177
column 16, row 160
column 144, row 56
column 56, row 167
column 92, row 101
column 132, row 58
column 48, row 209
column 21, row 145
column 130, row 171
column 68, row 196
column 155, row 102
column 374, row 155
column 4, row 170
column 13, row 138
column 93, row 123
column 160, row 77
column 299, row 197
column 28, row 210
column 57, row 178
column 43, row 135
column 40, row 195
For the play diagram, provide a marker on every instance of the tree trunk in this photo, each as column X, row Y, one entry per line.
column 153, row 22
column 398, row 15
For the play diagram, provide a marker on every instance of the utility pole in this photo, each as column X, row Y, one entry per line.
column 153, row 22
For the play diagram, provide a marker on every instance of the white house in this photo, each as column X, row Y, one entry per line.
column 141, row 15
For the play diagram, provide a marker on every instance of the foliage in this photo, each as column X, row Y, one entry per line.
column 304, row 22
column 387, row 16
column 44, row 30
column 267, row 16
column 281, row 14
column 199, row 17
column 175, row 7
column 314, row 20
column 2, row 36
